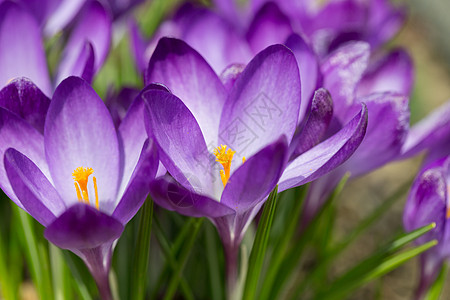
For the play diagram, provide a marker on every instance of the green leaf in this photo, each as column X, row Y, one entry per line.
column 212, row 248
column 377, row 265
column 436, row 289
column 184, row 255
column 142, row 252
column 60, row 274
column 259, row 246
column 8, row 286
column 81, row 278
column 293, row 256
column 34, row 253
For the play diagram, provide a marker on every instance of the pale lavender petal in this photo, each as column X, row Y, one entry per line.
column 392, row 73
column 189, row 77
column 94, row 27
column 263, row 104
column 183, row 150
column 308, row 64
column 230, row 74
column 269, row 26
column 118, row 104
column 35, row 192
column 326, row 156
column 79, row 132
column 429, row 132
column 21, row 50
column 83, row 227
column 252, row 182
column 386, row 132
column 26, row 100
column 63, row 15
column 17, row 133
column 138, row 185
column 342, row 71
column 173, row 196
column 216, row 40
column 316, row 125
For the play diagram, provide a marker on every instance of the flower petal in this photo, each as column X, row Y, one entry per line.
column 386, row 132
column 327, row 155
column 230, row 74
column 79, row 132
column 269, row 26
column 21, row 49
column 190, row 78
column 393, row 73
column 308, row 64
column 263, row 104
column 212, row 36
column 63, row 15
column 253, row 181
column 26, row 100
column 183, row 150
column 429, row 132
column 83, row 227
column 173, row 196
column 342, row 71
column 316, row 124
column 17, row 133
column 138, row 185
column 94, row 27
column 36, row 193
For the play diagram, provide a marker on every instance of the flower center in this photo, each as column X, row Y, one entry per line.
column 81, row 176
column 224, row 156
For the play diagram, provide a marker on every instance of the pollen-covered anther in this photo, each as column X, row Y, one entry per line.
column 81, row 176
column 224, row 156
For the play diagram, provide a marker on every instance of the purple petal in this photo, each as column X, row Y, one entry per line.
column 26, row 100
column 94, row 27
column 252, row 182
column 63, row 15
column 173, row 196
column 36, row 193
column 41, row 10
column 269, row 26
column 342, row 71
column 138, row 47
column 212, row 36
column 132, row 136
column 327, row 155
column 138, row 185
column 429, row 132
column 21, row 50
column 183, row 150
column 316, row 124
column 386, row 132
column 308, row 64
column 190, row 78
column 393, row 73
column 427, row 202
column 83, row 227
column 79, row 132
column 17, row 133
column 263, row 104
column 231, row 74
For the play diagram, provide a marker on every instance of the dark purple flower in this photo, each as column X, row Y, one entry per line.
column 82, row 179
column 428, row 202
column 226, row 149
column 22, row 53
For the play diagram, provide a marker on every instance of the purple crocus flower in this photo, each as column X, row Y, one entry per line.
column 22, row 53
column 225, row 141
column 82, row 179
column 428, row 202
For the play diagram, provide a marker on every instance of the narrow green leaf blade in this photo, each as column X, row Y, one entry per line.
column 259, row 247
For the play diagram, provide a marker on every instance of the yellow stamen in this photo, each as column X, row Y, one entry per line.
column 448, row 213
column 224, row 156
column 81, row 176
column 243, row 159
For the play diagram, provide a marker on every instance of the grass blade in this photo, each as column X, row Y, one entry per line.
column 259, row 246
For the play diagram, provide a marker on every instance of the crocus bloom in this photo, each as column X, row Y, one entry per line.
column 22, row 53
column 226, row 144
column 82, row 179
column 428, row 202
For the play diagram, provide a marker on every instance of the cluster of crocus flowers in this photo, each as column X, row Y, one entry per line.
column 82, row 179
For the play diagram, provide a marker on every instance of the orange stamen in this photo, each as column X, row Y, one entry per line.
column 81, row 177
